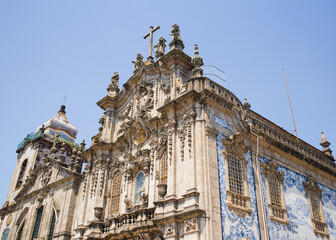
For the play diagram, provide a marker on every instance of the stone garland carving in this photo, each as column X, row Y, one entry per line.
column 85, row 182
column 94, row 181
column 171, row 130
column 103, row 169
column 189, row 118
column 87, row 173
column 181, row 132
column 190, row 225
column 153, row 147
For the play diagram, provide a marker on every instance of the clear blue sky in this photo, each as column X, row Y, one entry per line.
column 49, row 49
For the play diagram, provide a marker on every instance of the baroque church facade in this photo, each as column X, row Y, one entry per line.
column 177, row 157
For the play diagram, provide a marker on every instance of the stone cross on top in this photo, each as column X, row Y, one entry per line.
column 150, row 34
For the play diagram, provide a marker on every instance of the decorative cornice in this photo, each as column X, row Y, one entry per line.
column 283, row 140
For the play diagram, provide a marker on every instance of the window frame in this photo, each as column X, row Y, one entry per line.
column 238, row 203
column 276, row 213
column 163, row 178
column 319, row 225
column 116, row 174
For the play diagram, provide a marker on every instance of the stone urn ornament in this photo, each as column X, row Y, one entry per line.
column 162, row 190
column 98, row 212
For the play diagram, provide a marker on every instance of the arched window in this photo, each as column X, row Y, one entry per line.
column 37, row 223
column 52, row 226
column 116, row 191
column 163, row 169
column 19, row 236
column 139, row 188
column 22, row 171
column 5, row 234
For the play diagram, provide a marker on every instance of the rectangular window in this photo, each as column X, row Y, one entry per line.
column 275, row 190
column 315, row 205
column 236, row 181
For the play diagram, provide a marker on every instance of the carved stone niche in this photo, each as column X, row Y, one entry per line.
column 314, row 195
column 275, row 192
column 236, row 180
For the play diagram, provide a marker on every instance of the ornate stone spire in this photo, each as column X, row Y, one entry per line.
column 197, row 62
column 113, row 89
column 160, row 48
column 325, row 144
column 177, row 41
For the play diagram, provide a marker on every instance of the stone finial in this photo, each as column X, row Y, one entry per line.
column 138, row 62
column 62, row 157
column 325, row 144
column 160, row 48
column 113, row 89
column 83, row 144
column 197, row 62
column 177, row 41
column 246, row 105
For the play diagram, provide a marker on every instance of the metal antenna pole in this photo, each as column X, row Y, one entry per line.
column 290, row 104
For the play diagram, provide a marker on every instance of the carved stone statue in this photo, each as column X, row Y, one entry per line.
column 145, row 95
column 177, row 41
column 113, row 87
column 175, row 32
column 160, row 48
column 138, row 62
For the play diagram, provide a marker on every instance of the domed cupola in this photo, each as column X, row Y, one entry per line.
column 60, row 124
